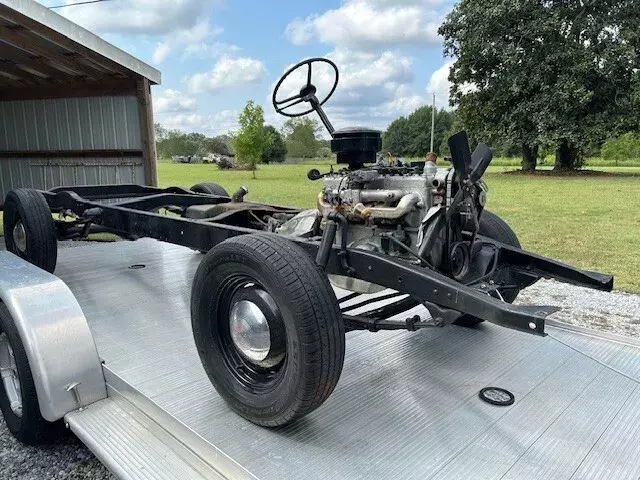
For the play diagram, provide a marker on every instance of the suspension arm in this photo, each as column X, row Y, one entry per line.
column 430, row 286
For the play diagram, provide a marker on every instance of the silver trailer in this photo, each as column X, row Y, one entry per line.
column 108, row 341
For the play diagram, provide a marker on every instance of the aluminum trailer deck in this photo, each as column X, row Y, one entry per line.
column 406, row 405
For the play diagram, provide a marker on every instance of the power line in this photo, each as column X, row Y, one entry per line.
column 79, row 3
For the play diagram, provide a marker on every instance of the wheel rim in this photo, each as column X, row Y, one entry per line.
column 251, row 334
column 249, row 330
column 20, row 237
column 10, row 377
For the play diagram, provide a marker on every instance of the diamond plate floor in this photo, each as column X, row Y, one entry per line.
column 406, row 405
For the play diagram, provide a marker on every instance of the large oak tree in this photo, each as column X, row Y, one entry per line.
column 556, row 73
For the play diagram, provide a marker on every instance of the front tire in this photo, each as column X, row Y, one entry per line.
column 492, row 226
column 29, row 230
column 276, row 375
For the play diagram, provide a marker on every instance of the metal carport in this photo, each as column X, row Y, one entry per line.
column 74, row 109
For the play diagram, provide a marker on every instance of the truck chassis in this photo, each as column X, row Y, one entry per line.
column 268, row 327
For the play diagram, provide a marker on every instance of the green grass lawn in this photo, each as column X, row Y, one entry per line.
column 589, row 222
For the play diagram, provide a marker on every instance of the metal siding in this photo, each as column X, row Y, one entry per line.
column 91, row 123
column 71, row 124
column 45, row 174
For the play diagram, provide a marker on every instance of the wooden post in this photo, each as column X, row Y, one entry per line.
column 148, row 131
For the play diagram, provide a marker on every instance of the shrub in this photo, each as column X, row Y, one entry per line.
column 622, row 149
column 276, row 152
column 325, row 152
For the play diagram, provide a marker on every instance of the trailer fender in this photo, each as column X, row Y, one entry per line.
column 62, row 355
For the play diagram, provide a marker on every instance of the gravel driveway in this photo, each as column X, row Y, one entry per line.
column 69, row 460
column 611, row 312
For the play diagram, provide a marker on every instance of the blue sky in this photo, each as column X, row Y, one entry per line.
column 214, row 55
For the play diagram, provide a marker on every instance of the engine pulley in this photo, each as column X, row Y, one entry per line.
column 459, row 260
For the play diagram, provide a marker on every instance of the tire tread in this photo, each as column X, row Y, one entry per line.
column 34, row 212
column 320, row 331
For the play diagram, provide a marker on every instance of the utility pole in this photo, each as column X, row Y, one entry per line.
column 433, row 120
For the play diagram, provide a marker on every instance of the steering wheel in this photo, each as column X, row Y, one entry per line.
column 307, row 93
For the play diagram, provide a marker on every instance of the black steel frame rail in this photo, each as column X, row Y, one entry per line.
column 423, row 285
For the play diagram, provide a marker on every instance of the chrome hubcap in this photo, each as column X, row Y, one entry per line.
column 10, row 378
column 20, row 237
column 250, row 331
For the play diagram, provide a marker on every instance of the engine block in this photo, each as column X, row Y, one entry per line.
column 384, row 201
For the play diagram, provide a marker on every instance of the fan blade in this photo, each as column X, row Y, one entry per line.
column 480, row 160
column 460, row 154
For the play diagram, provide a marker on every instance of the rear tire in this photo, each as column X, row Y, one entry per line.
column 29, row 230
column 210, row 189
column 494, row 227
column 24, row 421
column 306, row 333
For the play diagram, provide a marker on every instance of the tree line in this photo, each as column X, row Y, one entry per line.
column 254, row 142
column 410, row 136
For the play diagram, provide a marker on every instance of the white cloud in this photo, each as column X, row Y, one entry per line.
column 147, row 17
column 228, row 72
column 162, row 51
column 180, row 24
column 440, row 85
column 210, row 50
column 173, row 101
column 301, row 31
column 367, row 24
column 189, row 38
column 366, row 69
column 408, row 3
column 215, row 124
column 404, row 103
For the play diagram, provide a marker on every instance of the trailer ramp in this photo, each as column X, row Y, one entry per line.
column 406, row 405
column 133, row 446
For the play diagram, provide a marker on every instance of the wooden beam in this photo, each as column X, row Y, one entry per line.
column 147, row 131
column 8, row 66
column 105, row 88
column 13, row 80
column 55, row 37
column 35, row 62
column 70, row 153
column 26, row 43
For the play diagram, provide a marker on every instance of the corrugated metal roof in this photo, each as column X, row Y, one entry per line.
column 38, row 47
